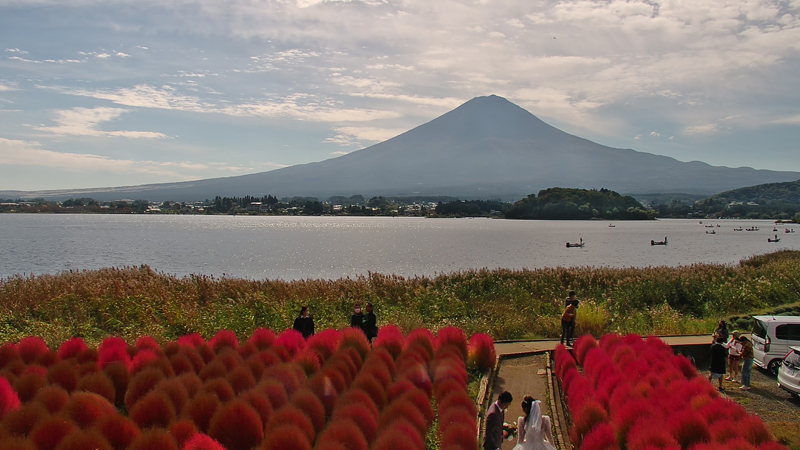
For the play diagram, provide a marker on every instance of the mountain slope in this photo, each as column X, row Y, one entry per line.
column 486, row 148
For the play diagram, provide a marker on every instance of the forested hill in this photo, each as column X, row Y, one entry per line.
column 763, row 193
column 578, row 204
column 771, row 200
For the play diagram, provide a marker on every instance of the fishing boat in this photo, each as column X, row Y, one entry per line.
column 664, row 242
column 738, row 229
column 751, row 229
column 777, row 239
column 788, row 230
column 579, row 244
column 611, row 225
column 711, row 232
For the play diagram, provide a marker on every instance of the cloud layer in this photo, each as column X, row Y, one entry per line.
column 294, row 81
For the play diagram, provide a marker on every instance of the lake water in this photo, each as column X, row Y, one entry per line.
column 333, row 247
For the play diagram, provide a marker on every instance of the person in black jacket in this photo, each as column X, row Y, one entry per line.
column 304, row 323
column 357, row 317
column 719, row 356
column 369, row 324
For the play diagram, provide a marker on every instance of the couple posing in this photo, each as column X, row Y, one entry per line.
column 534, row 431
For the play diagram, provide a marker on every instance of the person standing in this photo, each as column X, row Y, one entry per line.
column 495, row 417
column 304, row 323
column 369, row 324
column 570, row 297
column 734, row 356
column 747, row 362
column 357, row 317
column 721, row 331
column 568, row 322
column 719, row 354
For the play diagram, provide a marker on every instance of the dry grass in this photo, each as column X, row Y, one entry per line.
column 135, row 301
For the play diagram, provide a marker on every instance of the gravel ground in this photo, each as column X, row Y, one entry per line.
column 776, row 407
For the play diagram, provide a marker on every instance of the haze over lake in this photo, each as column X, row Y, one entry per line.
column 335, row 247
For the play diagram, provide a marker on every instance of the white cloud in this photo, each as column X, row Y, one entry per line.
column 85, row 122
column 790, row 120
column 655, row 134
column 4, row 87
column 346, row 136
column 22, row 153
column 638, row 137
column 706, row 128
column 144, row 96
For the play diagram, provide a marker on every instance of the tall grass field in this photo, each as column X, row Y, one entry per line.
column 130, row 302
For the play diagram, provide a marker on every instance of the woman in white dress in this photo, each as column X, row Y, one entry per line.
column 534, row 429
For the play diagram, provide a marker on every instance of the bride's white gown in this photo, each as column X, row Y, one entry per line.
column 537, row 433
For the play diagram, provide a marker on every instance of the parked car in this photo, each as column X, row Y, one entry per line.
column 789, row 372
column 772, row 337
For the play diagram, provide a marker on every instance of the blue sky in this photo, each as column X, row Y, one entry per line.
column 115, row 92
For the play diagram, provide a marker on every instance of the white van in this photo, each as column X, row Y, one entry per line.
column 772, row 337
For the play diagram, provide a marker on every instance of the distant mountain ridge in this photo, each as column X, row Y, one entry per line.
column 486, row 148
column 788, row 192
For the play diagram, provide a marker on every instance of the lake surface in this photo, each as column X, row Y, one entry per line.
column 259, row 247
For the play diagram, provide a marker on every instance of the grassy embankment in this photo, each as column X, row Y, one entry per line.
column 132, row 302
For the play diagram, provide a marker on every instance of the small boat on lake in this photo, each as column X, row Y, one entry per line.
column 576, row 244
column 777, row 239
column 751, row 229
column 664, row 242
column 738, row 229
column 711, row 232
column 611, row 225
column 788, row 230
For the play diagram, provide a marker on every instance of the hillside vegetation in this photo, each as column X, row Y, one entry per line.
column 135, row 301
column 578, row 204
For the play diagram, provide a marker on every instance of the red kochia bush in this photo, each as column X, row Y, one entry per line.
column 84, row 408
column 308, row 359
column 143, row 359
column 286, row 437
column 202, row 442
column 53, row 398
column 28, row 385
column 50, row 431
column 183, row 430
column 82, row 440
column 308, row 402
column 118, row 430
column 459, row 435
column 142, row 383
column 71, row 348
column 113, row 349
column 355, row 338
column 600, row 438
column 154, row 410
column 274, row 391
column 236, row 426
column 345, row 431
column 154, row 440
column 583, row 345
column 262, row 338
column 201, row 409
column 118, row 373
column 325, row 343
column 260, row 404
column 21, row 420
column 292, row 416
column 223, row 338
column 391, row 338
column 191, row 340
column 175, row 390
column 31, row 347
column 590, row 414
column 400, row 436
column 453, row 336
column 63, row 374
column 214, row 369
column 688, row 428
column 367, row 422
column 291, row 340
column 403, row 409
column 481, row 353
column 221, row 388
column 99, row 384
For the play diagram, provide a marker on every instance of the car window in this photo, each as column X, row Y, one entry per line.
column 782, row 331
column 794, row 332
column 759, row 329
column 793, row 358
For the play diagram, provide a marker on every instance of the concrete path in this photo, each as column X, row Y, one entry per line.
column 507, row 348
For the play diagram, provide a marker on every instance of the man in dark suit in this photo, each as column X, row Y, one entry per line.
column 369, row 323
column 495, row 417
